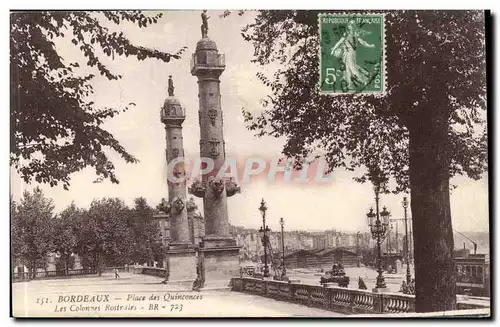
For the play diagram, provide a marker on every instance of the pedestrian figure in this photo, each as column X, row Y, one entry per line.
column 404, row 288
column 197, row 283
column 334, row 269
column 411, row 286
column 361, row 284
column 341, row 269
column 116, row 273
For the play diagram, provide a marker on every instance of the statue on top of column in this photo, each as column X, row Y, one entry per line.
column 204, row 24
column 170, row 86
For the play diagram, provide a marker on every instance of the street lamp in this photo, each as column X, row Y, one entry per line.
column 388, row 243
column 358, row 235
column 378, row 229
column 264, row 229
column 283, row 271
column 408, row 274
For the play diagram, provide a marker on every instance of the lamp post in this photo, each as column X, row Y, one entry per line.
column 283, row 271
column 264, row 229
column 397, row 235
column 378, row 229
column 358, row 235
column 412, row 246
column 388, row 244
column 408, row 274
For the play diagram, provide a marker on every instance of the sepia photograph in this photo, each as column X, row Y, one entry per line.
column 250, row 163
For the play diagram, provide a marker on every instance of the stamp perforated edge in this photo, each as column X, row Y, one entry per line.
column 384, row 55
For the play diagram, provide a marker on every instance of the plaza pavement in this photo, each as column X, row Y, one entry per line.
column 142, row 296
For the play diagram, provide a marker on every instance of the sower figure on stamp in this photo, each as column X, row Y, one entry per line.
column 345, row 49
column 204, row 24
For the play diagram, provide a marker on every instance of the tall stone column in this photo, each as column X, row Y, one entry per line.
column 219, row 249
column 181, row 258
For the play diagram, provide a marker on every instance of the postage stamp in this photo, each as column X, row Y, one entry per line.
column 352, row 53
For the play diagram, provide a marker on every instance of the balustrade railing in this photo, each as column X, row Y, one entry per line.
column 397, row 303
column 334, row 298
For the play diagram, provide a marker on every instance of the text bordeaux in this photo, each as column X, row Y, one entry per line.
column 83, row 298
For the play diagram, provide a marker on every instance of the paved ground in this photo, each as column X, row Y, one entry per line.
column 140, row 295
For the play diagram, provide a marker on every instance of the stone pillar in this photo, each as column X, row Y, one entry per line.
column 220, row 252
column 212, row 139
column 179, row 229
column 180, row 254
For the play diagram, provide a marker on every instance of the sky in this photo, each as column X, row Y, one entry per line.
column 341, row 205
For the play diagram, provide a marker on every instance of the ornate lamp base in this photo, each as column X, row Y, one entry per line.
column 380, row 280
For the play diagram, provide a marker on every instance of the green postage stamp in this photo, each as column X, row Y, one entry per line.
column 352, row 53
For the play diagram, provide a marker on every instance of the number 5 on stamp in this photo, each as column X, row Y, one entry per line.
column 352, row 53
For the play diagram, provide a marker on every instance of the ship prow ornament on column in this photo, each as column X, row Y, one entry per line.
column 180, row 254
column 219, row 254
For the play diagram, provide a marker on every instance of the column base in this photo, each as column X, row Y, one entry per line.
column 181, row 263
column 180, row 245
column 220, row 262
column 216, row 241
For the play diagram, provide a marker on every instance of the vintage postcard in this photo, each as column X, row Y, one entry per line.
column 249, row 163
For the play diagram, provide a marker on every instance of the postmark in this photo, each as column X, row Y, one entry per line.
column 352, row 53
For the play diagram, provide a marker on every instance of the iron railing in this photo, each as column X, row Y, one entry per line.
column 16, row 277
column 208, row 61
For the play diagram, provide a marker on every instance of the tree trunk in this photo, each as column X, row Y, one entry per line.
column 98, row 264
column 33, row 269
column 430, row 208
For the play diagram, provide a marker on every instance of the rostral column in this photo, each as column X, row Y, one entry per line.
column 180, row 255
column 219, row 250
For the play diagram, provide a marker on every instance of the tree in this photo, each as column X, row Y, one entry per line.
column 55, row 126
column 145, row 232
column 429, row 126
column 64, row 238
column 32, row 230
column 104, row 238
column 15, row 236
column 64, row 264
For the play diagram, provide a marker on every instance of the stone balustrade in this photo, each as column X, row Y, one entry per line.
column 338, row 299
